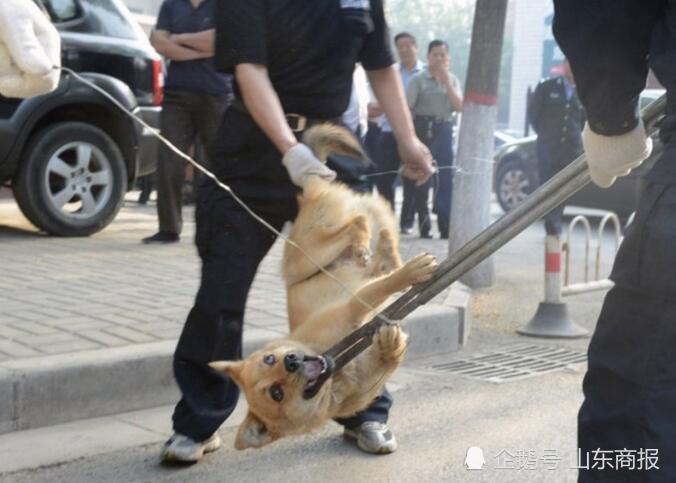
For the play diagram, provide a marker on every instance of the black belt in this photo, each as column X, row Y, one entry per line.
column 433, row 120
column 297, row 122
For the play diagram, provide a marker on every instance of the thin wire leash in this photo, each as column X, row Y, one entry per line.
column 225, row 187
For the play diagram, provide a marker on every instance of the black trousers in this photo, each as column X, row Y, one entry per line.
column 387, row 162
column 185, row 117
column 439, row 139
column 551, row 160
column 231, row 245
column 630, row 385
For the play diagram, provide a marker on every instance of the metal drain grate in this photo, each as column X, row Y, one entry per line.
column 513, row 363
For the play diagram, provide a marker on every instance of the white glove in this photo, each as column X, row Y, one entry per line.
column 301, row 163
column 30, row 47
column 610, row 157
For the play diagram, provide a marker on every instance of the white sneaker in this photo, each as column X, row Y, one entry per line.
column 180, row 448
column 373, row 437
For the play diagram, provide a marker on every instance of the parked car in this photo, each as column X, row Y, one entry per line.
column 516, row 176
column 70, row 155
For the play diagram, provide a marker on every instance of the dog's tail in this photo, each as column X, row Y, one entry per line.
column 326, row 139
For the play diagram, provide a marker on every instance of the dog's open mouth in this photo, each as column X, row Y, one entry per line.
column 316, row 370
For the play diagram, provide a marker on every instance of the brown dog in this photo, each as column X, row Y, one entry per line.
column 283, row 381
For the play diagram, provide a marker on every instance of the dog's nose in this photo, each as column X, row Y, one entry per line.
column 291, row 362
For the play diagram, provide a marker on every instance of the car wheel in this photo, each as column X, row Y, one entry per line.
column 72, row 179
column 513, row 184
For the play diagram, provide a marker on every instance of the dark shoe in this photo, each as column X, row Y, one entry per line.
column 406, row 231
column 426, row 236
column 161, row 237
column 373, row 437
column 443, row 235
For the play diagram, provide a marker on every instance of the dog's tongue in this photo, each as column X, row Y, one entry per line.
column 312, row 369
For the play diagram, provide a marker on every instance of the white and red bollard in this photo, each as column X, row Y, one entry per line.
column 551, row 318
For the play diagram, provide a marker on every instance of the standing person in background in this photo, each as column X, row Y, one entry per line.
column 195, row 96
column 557, row 116
column 356, row 116
column 388, row 156
column 434, row 95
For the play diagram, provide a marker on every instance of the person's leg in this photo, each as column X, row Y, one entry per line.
column 388, row 163
column 442, row 150
column 422, row 207
column 231, row 245
column 207, row 114
column 176, row 124
column 408, row 208
column 629, row 390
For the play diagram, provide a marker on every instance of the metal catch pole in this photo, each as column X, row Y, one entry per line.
column 557, row 190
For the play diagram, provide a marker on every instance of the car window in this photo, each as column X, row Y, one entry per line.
column 103, row 17
column 62, row 10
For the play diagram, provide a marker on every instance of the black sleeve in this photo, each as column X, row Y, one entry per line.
column 376, row 52
column 535, row 106
column 241, row 34
column 607, row 44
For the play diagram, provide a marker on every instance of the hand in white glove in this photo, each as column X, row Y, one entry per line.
column 301, row 163
column 610, row 157
column 30, row 47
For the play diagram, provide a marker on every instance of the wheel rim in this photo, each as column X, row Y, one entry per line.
column 78, row 180
column 514, row 187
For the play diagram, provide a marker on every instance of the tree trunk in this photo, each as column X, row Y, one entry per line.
column 473, row 179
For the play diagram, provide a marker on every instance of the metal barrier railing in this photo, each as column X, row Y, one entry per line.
column 597, row 283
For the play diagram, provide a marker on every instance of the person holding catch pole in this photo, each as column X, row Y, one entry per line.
column 293, row 62
column 629, row 387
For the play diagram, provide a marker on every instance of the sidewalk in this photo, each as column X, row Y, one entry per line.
column 85, row 322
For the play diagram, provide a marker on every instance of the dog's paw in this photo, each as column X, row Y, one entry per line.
column 419, row 269
column 391, row 340
column 362, row 254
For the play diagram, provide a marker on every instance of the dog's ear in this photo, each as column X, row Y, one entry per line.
column 230, row 368
column 252, row 433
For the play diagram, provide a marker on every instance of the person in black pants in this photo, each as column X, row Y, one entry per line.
column 293, row 65
column 557, row 116
column 629, row 388
column 434, row 96
column 195, row 96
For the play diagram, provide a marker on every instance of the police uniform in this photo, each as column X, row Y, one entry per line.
column 310, row 50
column 630, row 385
column 558, row 119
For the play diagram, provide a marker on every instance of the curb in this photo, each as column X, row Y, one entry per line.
column 49, row 390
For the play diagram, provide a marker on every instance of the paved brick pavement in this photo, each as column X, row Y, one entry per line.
column 61, row 295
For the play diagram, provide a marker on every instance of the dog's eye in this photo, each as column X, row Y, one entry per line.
column 276, row 393
column 269, row 359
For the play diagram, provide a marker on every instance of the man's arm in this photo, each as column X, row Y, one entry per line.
column 607, row 44
column 264, row 105
column 161, row 41
column 200, row 41
column 388, row 89
column 453, row 92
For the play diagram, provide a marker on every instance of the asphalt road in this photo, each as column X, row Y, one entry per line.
column 527, row 426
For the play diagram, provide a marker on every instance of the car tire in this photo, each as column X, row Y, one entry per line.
column 71, row 179
column 513, row 183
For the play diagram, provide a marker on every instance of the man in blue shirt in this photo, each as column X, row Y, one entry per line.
column 195, row 96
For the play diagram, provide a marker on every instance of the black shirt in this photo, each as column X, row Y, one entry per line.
column 610, row 44
column 179, row 17
column 309, row 47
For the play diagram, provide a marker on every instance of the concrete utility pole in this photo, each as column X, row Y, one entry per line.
column 473, row 181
